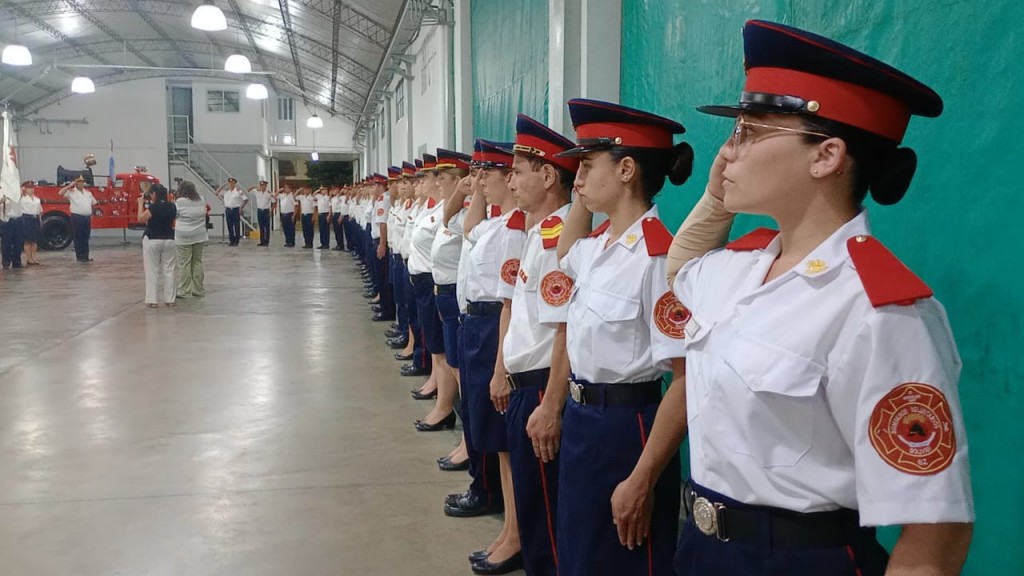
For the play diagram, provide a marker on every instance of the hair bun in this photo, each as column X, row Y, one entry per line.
column 895, row 171
column 680, row 163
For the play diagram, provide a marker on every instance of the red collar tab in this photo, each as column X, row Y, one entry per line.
column 600, row 229
column 537, row 140
column 757, row 240
column 656, row 236
column 408, row 203
column 550, row 230
column 495, row 211
column 517, row 221
column 431, row 203
column 886, row 280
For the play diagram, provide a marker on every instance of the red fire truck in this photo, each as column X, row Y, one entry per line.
column 117, row 207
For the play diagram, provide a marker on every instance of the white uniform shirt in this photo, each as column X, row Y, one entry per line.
column 457, row 226
column 613, row 334
column 82, row 201
column 31, row 206
column 495, row 258
column 445, row 252
column 336, row 203
column 368, row 214
column 790, row 385
column 233, row 197
column 539, row 302
column 263, row 199
column 323, row 203
column 307, row 203
column 414, row 212
column 380, row 213
column 398, row 230
column 286, row 203
column 345, row 205
column 424, row 229
column 393, row 212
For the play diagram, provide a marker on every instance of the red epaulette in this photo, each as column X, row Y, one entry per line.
column 408, row 204
column 431, row 203
column 886, row 280
column 550, row 230
column 656, row 236
column 600, row 229
column 495, row 211
column 757, row 240
column 517, row 221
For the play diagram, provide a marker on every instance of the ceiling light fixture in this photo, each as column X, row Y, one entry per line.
column 314, row 122
column 238, row 64
column 209, row 18
column 314, row 155
column 256, row 92
column 82, row 85
column 16, row 55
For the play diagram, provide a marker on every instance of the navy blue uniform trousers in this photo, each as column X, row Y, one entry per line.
column 484, row 470
column 81, row 226
column 339, row 234
column 535, row 483
column 398, row 292
column 600, row 446
column 233, row 216
column 325, row 230
column 263, row 218
column 307, row 230
column 288, row 228
column 381, row 279
column 12, row 242
column 479, row 352
column 420, row 357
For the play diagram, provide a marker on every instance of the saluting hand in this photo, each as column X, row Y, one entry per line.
column 632, row 505
column 544, row 427
column 500, row 393
column 715, row 176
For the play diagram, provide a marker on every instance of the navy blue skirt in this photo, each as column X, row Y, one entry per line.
column 30, row 228
column 480, row 350
column 448, row 308
column 426, row 307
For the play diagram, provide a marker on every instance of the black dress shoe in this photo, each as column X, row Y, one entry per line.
column 446, row 423
column 381, row 317
column 446, row 465
column 394, row 333
column 410, row 370
column 369, row 294
column 479, row 555
column 403, row 357
column 417, row 395
column 399, row 344
column 307, row 247
column 469, row 505
column 512, row 564
column 376, row 307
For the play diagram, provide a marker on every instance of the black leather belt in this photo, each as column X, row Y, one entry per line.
column 528, row 379
column 635, row 394
column 771, row 526
column 484, row 308
column 445, row 289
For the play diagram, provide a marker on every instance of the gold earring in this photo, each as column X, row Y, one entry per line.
column 815, row 172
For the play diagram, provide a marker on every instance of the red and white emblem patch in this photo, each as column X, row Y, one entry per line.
column 380, row 211
column 556, row 288
column 509, row 271
column 671, row 316
column 912, row 430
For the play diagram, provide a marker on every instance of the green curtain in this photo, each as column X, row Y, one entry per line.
column 953, row 228
column 510, row 64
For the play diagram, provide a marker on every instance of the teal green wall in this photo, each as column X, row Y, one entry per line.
column 953, row 228
column 510, row 64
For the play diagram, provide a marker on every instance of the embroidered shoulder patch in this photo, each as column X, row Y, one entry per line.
column 556, row 288
column 911, row 428
column 670, row 316
column 509, row 271
column 550, row 230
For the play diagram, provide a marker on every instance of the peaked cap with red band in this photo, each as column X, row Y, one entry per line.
column 451, row 159
column 492, row 154
column 791, row 71
column 429, row 162
column 394, row 172
column 603, row 125
column 538, row 141
column 408, row 169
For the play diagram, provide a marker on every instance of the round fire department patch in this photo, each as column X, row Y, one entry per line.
column 912, row 430
column 556, row 288
column 671, row 316
column 509, row 271
column 380, row 211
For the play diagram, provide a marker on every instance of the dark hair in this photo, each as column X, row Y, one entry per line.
column 879, row 166
column 656, row 163
column 565, row 177
column 159, row 192
column 188, row 190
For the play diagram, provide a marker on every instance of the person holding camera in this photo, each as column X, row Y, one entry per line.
column 158, row 247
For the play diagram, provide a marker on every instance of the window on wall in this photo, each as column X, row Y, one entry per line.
column 286, row 108
column 400, row 100
column 427, row 74
column 222, row 101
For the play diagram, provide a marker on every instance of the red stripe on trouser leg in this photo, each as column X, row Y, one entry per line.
column 547, row 501
column 853, row 558
column 643, row 444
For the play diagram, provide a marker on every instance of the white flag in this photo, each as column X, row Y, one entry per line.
column 10, row 178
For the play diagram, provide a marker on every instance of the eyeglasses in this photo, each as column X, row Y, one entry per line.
column 742, row 137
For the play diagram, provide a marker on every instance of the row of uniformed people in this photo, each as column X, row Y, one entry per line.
column 814, row 374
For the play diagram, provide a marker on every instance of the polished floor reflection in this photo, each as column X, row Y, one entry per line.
column 262, row 430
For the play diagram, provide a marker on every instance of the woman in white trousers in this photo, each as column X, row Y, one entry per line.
column 158, row 249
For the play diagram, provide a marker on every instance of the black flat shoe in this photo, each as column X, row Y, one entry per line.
column 446, row 465
column 447, row 423
column 399, row 344
column 417, row 395
column 410, row 370
column 477, row 556
column 394, row 333
column 469, row 505
column 380, row 317
column 485, row 566
column 403, row 357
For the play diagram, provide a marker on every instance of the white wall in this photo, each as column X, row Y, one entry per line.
column 138, row 140
column 242, row 127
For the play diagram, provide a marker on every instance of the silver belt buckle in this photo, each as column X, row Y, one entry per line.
column 576, row 391
column 510, row 381
column 705, row 516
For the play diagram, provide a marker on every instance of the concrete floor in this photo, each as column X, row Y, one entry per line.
column 263, row 430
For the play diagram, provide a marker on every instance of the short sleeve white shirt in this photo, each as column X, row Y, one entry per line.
column 484, row 280
column 31, row 206
column 445, row 253
column 233, row 197
column 82, row 201
column 307, row 203
column 424, row 229
column 286, row 203
column 263, row 199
